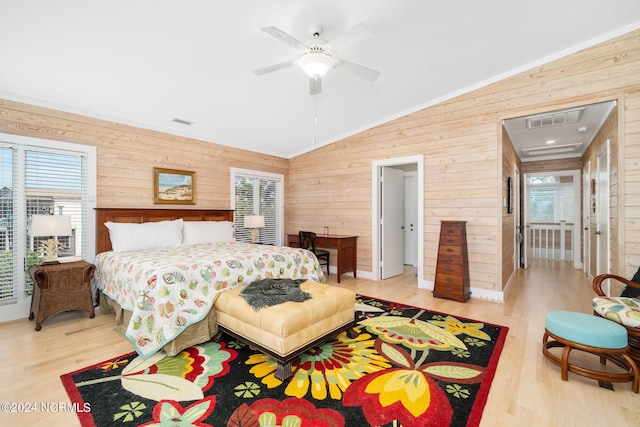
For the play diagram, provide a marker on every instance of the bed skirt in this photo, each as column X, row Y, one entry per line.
column 197, row 333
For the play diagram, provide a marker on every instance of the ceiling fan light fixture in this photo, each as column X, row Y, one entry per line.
column 315, row 64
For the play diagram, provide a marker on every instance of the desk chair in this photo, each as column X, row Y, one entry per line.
column 308, row 242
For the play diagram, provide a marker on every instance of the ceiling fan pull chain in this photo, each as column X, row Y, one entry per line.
column 315, row 117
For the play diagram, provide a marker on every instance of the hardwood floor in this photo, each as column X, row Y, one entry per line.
column 527, row 389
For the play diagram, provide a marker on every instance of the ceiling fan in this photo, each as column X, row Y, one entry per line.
column 317, row 55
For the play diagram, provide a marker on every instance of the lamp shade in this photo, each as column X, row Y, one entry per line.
column 50, row 225
column 254, row 221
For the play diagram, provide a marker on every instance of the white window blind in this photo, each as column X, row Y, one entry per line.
column 55, row 185
column 257, row 193
column 41, row 177
column 8, row 257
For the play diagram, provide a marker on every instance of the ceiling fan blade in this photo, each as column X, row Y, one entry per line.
column 315, row 85
column 282, row 36
column 271, row 68
column 357, row 70
column 350, row 37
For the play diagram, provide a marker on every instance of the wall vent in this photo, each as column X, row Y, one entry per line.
column 557, row 118
column 183, row 122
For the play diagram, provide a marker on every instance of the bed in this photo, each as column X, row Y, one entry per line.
column 161, row 271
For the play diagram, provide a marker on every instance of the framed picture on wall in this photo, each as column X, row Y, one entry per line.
column 175, row 187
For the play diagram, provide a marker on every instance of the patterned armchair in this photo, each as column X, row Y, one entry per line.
column 623, row 309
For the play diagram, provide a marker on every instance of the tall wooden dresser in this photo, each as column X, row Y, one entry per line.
column 452, row 268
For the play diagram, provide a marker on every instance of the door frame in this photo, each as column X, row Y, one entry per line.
column 410, row 250
column 376, row 167
column 603, row 243
column 587, row 195
column 517, row 236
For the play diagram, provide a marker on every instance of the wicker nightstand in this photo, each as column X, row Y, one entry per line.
column 59, row 288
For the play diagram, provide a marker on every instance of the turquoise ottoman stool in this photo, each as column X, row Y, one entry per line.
column 590, row 334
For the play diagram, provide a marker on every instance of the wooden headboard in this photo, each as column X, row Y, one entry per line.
column 139, row 215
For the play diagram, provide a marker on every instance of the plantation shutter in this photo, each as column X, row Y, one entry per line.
column 55, row 185
column 257, row 194
column 8, row 257
column 47, row 178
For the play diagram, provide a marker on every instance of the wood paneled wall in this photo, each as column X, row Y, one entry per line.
column 629, row 187
column 460, row 141
column 510, row 164
column 126, row 155
column 552, row 165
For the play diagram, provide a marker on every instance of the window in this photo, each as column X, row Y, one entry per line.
column 258, row 193
column 41, row 177
column 551, row 199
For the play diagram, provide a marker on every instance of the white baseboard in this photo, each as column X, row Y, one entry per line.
column 478, row 293
column 15, row 311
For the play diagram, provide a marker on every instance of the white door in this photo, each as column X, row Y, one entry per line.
column 527, row 247
column 410, row 220
column 391, row 222
column 586, row 219
column 602, row 209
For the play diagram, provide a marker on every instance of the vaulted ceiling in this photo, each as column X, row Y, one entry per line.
column 150, row 62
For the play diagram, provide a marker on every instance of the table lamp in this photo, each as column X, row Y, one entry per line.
column 254, row 222
column 52, row 226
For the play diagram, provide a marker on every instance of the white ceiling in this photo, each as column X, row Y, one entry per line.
column 559, row 136
column 147, row 62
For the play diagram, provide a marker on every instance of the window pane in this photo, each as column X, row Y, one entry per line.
column 542, row 204
column 257, row 196
column 55, row 186
column 8, row 286
column 551, row 199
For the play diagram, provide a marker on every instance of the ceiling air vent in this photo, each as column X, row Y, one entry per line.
column 557, row 118
column 567, row 148
column 183, row 122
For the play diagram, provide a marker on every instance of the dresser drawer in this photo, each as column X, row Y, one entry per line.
column 450, row 229
column 449, row 280
column 450, row 250
column 449, row 259
column 450, row 240
column 453, row 269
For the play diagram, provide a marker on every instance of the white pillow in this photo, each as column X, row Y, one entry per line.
column 147, row 235
column 199, row 232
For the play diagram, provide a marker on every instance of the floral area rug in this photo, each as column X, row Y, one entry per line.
column 408, row 367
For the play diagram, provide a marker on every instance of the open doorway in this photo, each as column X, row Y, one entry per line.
column 398, row 217
column 552, row 217
column 550, row 142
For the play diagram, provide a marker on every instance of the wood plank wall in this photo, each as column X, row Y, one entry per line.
column 459, row 139
column 552, row 165
column 510, row 164
column 629, row 187
column 126, row 155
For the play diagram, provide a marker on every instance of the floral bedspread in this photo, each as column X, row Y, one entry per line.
column 170, row 289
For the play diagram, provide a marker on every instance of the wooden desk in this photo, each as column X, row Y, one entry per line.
column 347, row 247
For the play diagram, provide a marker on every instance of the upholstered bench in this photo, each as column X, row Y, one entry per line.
column 590, row 334
column 286, row 330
